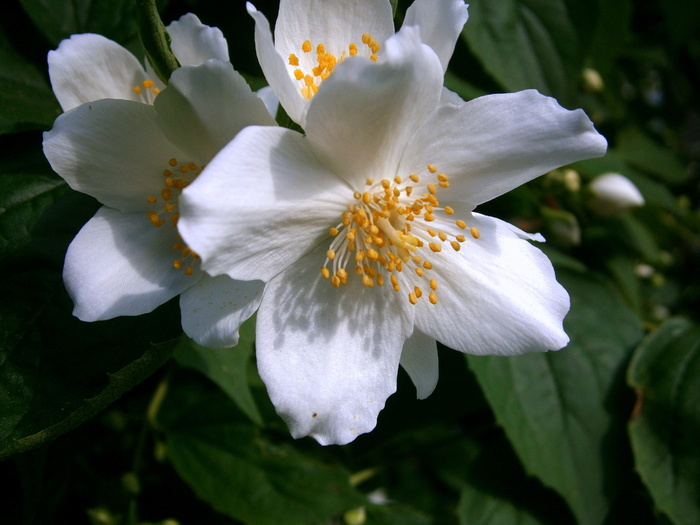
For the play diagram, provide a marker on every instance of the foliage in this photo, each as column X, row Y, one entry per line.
column 98, row 424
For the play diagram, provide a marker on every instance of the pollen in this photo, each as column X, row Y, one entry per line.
column 318, row 62
column 178, row 176
column 389, row 232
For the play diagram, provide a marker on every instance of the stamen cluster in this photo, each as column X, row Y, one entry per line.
column 386, row 230
column 177, row 177
column 325, row 63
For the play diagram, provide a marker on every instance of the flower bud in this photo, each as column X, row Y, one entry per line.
column 613, row 193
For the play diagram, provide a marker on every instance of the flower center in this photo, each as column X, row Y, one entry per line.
column 311, row 72
column 177, row 176
column 148, row 91
column 389, row 230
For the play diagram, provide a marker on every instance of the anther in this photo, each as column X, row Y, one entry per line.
column 433, row 284
column 455, row 245
column 433, row 298
column 461, row 224
column 306, row 47
column 449, row 210
column 475, row 232
column 330, row 254
column 412, row 298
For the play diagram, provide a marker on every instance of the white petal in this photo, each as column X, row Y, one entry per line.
column 365, row 114
column 120, row 264
column 440, row 24
column 492, row 144
column 274, row 67
column 267, row 95
column 419, row 359
column 91, row 67
column 497, row 295
column 261, row 204
column 205, row 106
column 194, row 43
column 214, row 308
column 112, row 150
column 336, row 25
column 329, row 356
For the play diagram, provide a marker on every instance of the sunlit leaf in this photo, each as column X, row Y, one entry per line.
column 558, row 408
column 237, row 470
column 528, row 44
column 665, row 373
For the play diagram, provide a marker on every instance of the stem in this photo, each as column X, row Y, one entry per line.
column 156, row 40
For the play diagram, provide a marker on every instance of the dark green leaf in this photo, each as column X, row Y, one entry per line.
column 26, row 196
column 237, row 470
column 665, row 373
column 611, row 33
column 58, row 19
column 480, row 508
column 556, row 407
column 26, row 100
column 641, row 152
column 528, row 44
column 227, row 367
column 394, row 514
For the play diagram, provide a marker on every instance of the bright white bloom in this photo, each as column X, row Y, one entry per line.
column 364, row 231
column 613, row 193
column 91, row 67
column 135, row 159
column 313, row 36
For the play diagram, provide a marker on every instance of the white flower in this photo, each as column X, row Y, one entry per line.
column 613, row 193
column 91, row 67
column 311, row 37
column 135, row 159
column 364, row 232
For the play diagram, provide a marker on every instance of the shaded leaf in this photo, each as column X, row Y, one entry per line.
column 26, row 100
column 642, row 152
column 239, row 471
column 58, row 19
column 559, row 408
column 480, row 508
column 26, row 195
column 227, row 367
column 665, row 373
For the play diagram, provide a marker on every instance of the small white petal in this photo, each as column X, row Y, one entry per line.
column 91, row 67
column 366, row 113
column 260, row 204
column 419, row 358
column 205, row 106
column 492, row 144
column 214, row 308
column 329, row 356
column 120, row 264
column 440, row 24
column 194, row 43
column 497, row 295
column 613, row 193
column 112, row 150
column 274, row 67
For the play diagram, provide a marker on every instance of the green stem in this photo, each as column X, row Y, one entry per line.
column 156, row 40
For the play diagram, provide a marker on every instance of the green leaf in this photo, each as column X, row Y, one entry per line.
column 56, row 371
column 556, row 407
column 28, row 191
column 238, row 470
column 642, row 152
column 58, row 19
column 394, row 514
column 528, row 44
column 480, row 508
column 26, row 100
column 611, row 34
column 227, row 367
column 665, row 373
